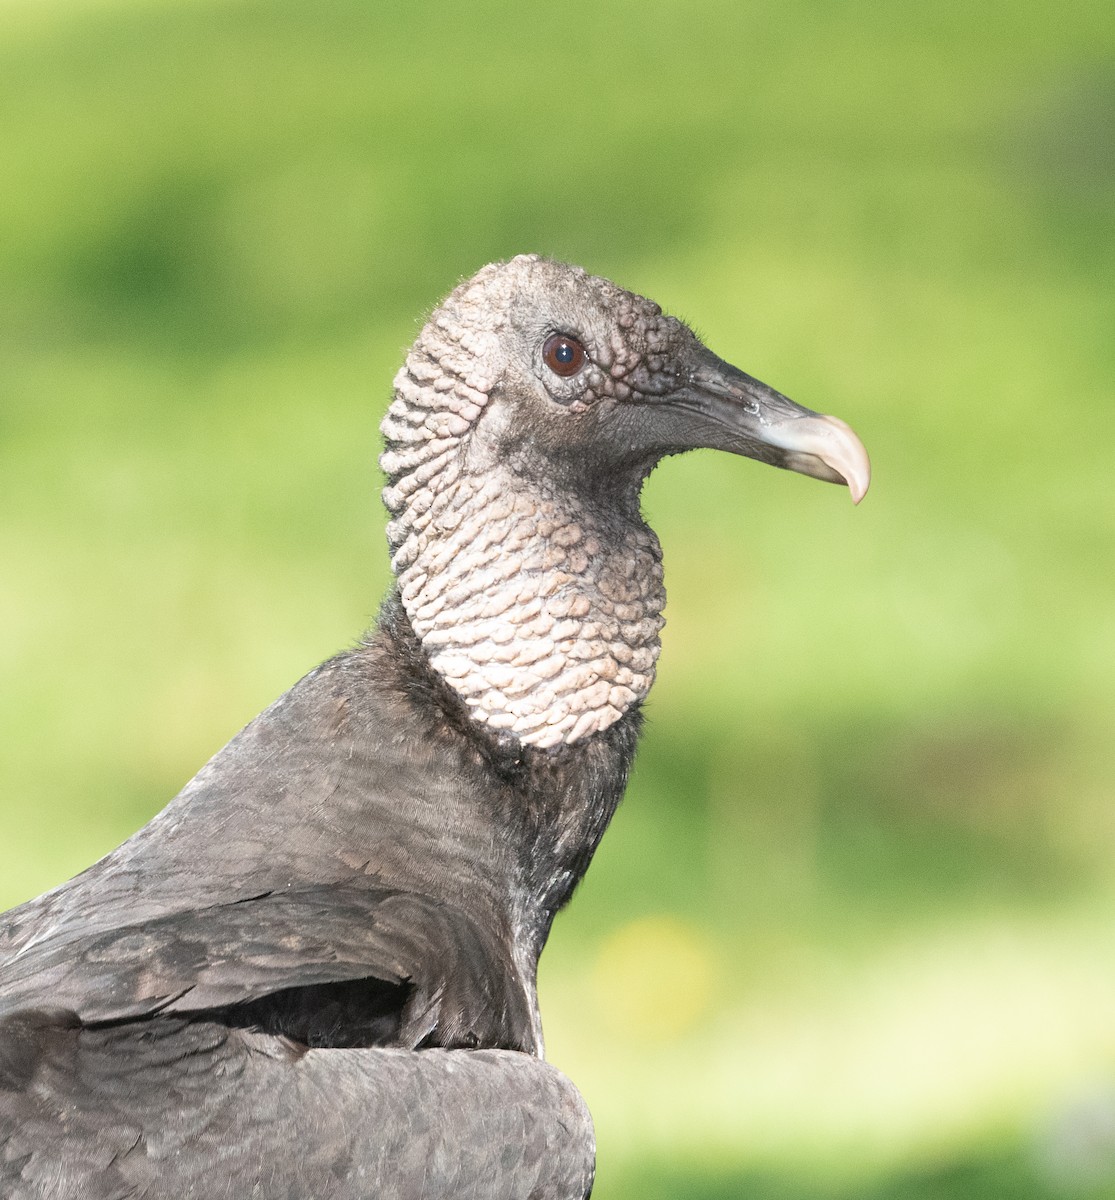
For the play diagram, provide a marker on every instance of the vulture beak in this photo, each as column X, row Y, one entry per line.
column 729, row 410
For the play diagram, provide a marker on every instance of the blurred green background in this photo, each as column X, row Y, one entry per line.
column 851, row 934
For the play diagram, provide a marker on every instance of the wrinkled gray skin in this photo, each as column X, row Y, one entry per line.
column 313, row 974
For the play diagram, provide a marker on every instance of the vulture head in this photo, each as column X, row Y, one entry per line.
column 528, row 413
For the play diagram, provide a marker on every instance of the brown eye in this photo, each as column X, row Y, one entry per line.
column 564, row 355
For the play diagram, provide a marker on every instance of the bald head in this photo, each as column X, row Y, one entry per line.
column 527, row 415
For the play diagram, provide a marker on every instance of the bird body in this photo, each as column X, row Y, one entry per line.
column 313, row 973
column 312, row 850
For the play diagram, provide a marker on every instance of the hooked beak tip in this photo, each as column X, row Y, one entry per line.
column 848, row 456
column 826, row 448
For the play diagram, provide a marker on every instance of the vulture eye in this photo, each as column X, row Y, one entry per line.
column 564, row 355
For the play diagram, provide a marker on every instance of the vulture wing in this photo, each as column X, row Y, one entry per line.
column 327, row 966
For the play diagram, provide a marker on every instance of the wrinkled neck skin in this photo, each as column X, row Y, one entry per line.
column 545, row 622
column 540, row 604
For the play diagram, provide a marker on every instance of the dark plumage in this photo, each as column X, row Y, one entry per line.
column 313, row 974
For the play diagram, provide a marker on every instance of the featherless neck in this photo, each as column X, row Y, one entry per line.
column 544, row 618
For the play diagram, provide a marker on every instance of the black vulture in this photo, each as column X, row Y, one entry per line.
column 313, row 973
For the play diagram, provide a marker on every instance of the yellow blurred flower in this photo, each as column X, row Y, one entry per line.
column 654, row 977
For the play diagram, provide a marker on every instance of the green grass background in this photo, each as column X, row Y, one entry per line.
column 852, row 933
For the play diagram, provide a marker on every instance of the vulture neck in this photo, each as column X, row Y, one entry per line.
column 540, row 609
